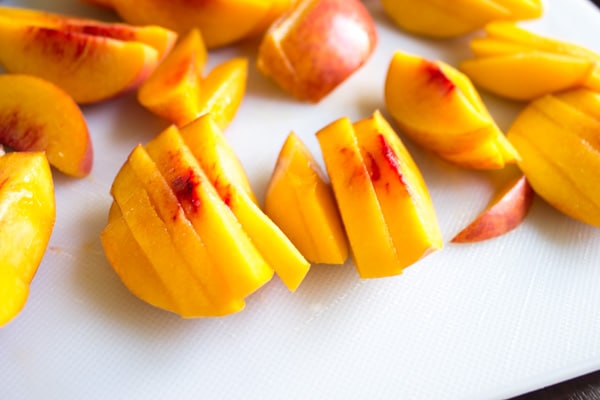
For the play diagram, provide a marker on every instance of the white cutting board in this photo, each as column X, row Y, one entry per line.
column 486, row 320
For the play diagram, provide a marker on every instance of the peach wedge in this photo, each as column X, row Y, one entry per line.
column 36, row 115
column 296, row 56
column 438, row 107
column 27, row 215
column 90, row 60
column 440, row 18
column 515, row 63
column 558, row 138
column 385, row 206
column 222, row 22
column 178, row 92
column 301, row 202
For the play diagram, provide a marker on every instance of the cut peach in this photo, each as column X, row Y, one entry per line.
column 27, row 215
column 222, row 167
column 438, row 107
column 440, row 18
column 381, row 196
column 504, row 213
column 90, row 62
column 301, row 203
column 294, row 53
column 559, row 143
column 36, row 115
column 221, row 22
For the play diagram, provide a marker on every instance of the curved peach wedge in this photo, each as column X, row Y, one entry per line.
column 505, row 213
column 59, row 128
column 91, row 61
column 384, row 203
column 438, row 107
column 296, row 56
column 27, row 215
column 221, row 22
column 301, row 203
column 518, row 64
column 441, row 19
column 558, row 139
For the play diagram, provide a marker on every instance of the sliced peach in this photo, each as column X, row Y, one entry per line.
column 439, row 18
column 438, row 107
column 27, row 216
column 559, row 143
column 294, row 53
column 504, row 213
column 173, row 89
column 223, row 168
column 221, row 22
column 88, row 63
column 384, row 203
column 59, row 129
column 228, row 245
column 300, row 201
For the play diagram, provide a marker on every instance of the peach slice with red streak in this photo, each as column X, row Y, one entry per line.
column 439, row 108
column 90, row 60
column 504, row 213
column 59, row 128
column 222, row 22
column 316, row 46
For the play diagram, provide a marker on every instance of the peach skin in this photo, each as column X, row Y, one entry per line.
column 59, row 129
column 25, row 225
column 300, row 201
column 294, row 54
column 438, row 108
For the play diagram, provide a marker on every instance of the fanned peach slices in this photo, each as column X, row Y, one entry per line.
column 518, row 64
column 438, row 107
column 90, row 60
column 184, row 232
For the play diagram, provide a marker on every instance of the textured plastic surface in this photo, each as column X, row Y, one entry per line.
column 486, row 320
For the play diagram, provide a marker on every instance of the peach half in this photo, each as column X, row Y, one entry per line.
column 36, row 115
column 300, row 201
column 515, row 63
column 438, row 108
column 222, row 22
column 27, row 215
column 90, row 60
column 316, row 46
column 558, row 137
column 178, row 91
column 382, row 198
column 441, row 18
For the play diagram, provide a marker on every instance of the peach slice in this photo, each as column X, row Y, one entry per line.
column 438, row 107
column 222, row 22
column 90, row 62
column 296, row 55
column 229, row 246
column 27, row 215
column 382, row 198
column 301, row 203
column 440, row 18
column 178, row 92
column 504, row 213
column 559, row 144
column 60, row 129
column 223, row 168
column 518, row 64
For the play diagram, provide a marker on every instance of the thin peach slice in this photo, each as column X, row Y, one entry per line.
column 222, row 167
column 36, row 115
column 505, row 213
column 300, row 201
column 27, row 216
column 173, row 89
